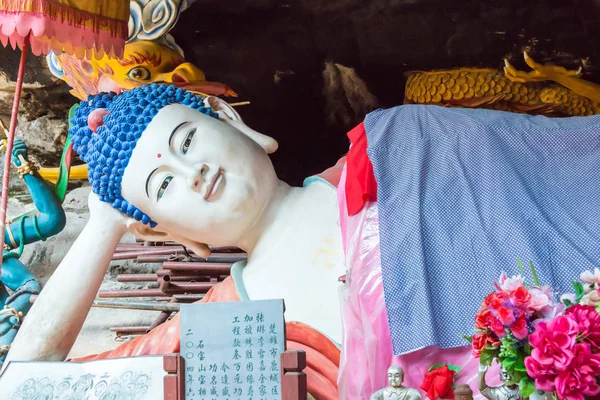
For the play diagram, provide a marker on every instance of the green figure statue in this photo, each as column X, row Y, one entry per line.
column 48, row 221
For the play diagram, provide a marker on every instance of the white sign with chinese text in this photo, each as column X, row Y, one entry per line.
column 232, row 350
column 119, row 378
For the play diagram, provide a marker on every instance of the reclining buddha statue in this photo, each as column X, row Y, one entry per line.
column 166, row 164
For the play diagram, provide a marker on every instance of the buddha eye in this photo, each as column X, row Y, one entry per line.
column 163, row 187
column 139, row 74
column 187, row 141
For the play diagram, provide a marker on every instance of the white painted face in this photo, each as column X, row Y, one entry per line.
column 199, row 177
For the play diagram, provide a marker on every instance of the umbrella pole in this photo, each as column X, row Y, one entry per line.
column 11, row 139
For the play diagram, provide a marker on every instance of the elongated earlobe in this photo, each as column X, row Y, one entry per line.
column 143, row 231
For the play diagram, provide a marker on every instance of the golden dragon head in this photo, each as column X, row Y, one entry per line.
column 143, row 62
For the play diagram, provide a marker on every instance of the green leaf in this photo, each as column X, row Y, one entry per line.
column 509, row 362
column 526, row 387
column 487, row 356
column 520, row 365
column 526, row 350
column 579, row 291
column 435, row 366
column 455, row 368
column 520, row 265
column 536, row 281
column 567, row 303
column 468, row 338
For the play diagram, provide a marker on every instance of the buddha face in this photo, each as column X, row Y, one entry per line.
column 199, row 177
column 505, row 376
column 395, row 376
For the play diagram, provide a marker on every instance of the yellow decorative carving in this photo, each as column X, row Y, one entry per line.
column 143, row 62
column 326, row 251
column 511, row 90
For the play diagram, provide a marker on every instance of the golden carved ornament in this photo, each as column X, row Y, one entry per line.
column 510, row 90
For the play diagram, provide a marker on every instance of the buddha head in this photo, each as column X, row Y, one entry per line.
column 505, row 375
column 181, row 167
column 463, row 392
column 395, row 376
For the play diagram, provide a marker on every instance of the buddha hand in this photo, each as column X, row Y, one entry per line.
column 19, row 152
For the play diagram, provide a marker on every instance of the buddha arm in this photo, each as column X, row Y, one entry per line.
column 481, row 384
column 50, row 221
column 54, row 322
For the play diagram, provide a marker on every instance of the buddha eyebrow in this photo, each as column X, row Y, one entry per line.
column 148, row 179
column 175, row 130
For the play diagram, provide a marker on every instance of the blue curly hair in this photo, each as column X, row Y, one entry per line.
column 107, row 152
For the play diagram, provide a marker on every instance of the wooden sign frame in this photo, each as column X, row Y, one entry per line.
column 293, row 379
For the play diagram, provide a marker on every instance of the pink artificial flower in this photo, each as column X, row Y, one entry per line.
column 553, row 342
column 588, row 320
column 592, row 298
column 509, row 284
column 544, row 375
column 541, row 297
column 542, row 304
column 579, row 380
column 591, row 277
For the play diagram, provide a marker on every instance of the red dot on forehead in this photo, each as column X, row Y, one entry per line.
column 159, row 155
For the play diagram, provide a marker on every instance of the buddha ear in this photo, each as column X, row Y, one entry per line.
column 231, row 117
column 155, row 234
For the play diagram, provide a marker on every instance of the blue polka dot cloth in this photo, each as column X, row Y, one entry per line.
column 463, row 193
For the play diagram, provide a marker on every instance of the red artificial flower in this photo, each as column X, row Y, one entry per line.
column 520, row 297
column 493, row 339
column 438, row 383
column 519, row 328
column 482, row 319
column 495, row 300
column 506, row 315
column 480, row 340
column 497, row 327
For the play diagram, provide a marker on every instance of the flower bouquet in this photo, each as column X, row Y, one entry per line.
column 541, row 343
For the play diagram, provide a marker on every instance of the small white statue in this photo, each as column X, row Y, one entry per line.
column 396, row 391
column 504, row 392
